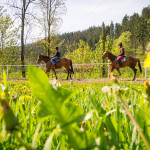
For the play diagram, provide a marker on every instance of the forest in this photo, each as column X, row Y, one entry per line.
column 85, row 46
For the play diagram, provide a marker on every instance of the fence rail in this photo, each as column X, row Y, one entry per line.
column 85, row 70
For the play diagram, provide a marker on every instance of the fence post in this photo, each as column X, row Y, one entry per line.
column 108, row 70
column 145, row 72
column 7, row 72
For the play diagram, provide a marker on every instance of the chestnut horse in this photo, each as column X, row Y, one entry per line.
column 63, row 62
column 131, row 62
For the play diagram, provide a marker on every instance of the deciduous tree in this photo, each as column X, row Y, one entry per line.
column 51, row 16
column 22, row 11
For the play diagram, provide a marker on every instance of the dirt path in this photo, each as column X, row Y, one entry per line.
column 101, row 80
column 87, row 80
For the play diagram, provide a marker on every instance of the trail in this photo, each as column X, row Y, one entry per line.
column 82, row 81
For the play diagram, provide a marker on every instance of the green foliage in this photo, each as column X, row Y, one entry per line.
column 82, row 54
column 52, row 117
column 55, row 103
column 8, row 40
column 125, row 39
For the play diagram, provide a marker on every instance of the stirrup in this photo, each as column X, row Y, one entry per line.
column 53, row 67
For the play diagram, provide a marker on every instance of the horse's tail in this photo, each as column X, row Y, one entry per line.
column 71, row 67
column 139, row 65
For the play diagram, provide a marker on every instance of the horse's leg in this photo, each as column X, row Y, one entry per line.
column 54, row 73
column 67, row 69
column 68, row 73
column 119, row 73
column 47, row 70
column 111, row 70
column 134, row 70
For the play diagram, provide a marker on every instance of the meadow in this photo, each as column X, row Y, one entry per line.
column 41, row 114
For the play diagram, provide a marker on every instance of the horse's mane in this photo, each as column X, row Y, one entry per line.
column 111, row 56
column 45, row 56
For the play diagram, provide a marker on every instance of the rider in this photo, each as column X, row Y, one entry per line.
column 56, row 57
column 121, row 54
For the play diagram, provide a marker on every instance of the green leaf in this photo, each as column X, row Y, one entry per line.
column 34, row 141
column 133, row 142
column 55, row 103
column 143, row 123
column 52, row 100
column 48, row 144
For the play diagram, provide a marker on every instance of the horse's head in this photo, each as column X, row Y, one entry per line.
column 105, row 54
column 39, row 59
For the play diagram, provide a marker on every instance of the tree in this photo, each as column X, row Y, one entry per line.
column 146, row 12
column 135, row 29
column 145, row 24
column 5, row 24
column 83, row 54
column 117, row 30
column 103, row 46
column 125, row 38
column 109, row 43
column 21, row 8
column 8, row 39
column 112, row 31
column 51, row 12
column 125, row 24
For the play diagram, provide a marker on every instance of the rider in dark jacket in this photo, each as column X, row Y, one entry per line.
column 56, row 57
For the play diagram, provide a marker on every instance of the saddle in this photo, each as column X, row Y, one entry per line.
column 121, row 61
column 57, row 61
column 124, row 59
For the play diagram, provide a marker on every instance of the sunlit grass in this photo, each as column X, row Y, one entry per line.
column 86, row 96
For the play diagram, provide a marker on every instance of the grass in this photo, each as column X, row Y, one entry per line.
column 101, row 115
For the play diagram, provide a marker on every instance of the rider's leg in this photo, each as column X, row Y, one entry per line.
column 119, row 60
column 53, row 61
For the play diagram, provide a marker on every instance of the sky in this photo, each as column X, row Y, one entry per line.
column 82, row 14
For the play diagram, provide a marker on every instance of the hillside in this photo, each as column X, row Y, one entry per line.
column 138, row 25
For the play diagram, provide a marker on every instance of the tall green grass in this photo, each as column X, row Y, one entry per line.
column 75, row 116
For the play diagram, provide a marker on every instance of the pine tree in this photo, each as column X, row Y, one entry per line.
column 125, row 24
column 112, row 31
column 103, row 46
column 117, row 30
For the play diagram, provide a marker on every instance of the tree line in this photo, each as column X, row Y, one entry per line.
column 137, row 25
column 82, row 46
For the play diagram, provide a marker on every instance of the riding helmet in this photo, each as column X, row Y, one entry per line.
column 120, row 44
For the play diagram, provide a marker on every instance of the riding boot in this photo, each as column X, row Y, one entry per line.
column 53, row 66
column 120, row 64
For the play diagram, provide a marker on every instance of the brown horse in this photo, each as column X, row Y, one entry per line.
column 131, row 62
column 63, row 62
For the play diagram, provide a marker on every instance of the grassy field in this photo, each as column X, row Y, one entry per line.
column 40, row 115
